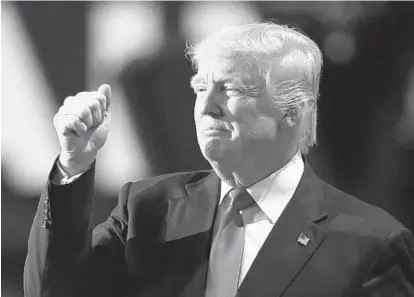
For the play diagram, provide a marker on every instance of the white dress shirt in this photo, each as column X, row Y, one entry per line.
column 271, row 194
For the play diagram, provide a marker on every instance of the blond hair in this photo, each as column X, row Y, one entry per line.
column 270, row 49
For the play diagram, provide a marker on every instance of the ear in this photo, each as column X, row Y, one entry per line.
column 309, row 106
column 292, row 118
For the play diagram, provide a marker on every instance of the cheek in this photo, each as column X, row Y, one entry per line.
column 242, row 109
column 254, row 120
column 263, row 127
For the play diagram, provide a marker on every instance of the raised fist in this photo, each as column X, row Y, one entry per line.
column 82, row 126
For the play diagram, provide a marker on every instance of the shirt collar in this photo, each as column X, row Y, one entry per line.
column 274, row 192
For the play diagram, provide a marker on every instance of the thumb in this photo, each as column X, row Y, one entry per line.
column 105, row 90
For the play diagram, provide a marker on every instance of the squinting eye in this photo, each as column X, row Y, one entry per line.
column 231, row 92
column 200, row 89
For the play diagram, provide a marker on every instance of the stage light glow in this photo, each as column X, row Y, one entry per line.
column 404, row 128
column 340, row 47
column 199, row 19
column 120, row 32
column 29, row 142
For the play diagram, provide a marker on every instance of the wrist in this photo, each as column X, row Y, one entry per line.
column 74, row 165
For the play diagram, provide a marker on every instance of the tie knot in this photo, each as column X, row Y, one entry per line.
column 240, row 198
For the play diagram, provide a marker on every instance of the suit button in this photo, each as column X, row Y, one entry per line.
column 46, row 224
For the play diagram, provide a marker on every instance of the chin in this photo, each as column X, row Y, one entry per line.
column 214, row 149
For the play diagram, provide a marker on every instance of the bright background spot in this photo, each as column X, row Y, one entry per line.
column 199, row 19
column 29, row 143
column 118, row 34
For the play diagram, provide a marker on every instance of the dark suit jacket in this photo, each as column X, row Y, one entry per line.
column 156, row 243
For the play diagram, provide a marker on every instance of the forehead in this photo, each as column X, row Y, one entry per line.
column 217, row 70
column 228, row 69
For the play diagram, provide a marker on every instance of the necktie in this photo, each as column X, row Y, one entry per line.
column 227, row 246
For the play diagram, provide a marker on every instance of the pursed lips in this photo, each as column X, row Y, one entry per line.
column 215, row 129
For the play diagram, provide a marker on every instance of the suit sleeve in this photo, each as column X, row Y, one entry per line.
column 392, row 274
column 66, row 257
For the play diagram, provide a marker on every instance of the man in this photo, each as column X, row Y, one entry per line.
column 259, row 224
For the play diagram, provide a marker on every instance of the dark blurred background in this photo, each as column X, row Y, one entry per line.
column 50, row 50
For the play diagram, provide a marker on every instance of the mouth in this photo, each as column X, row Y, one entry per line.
column 215, row 132
column 216, row 129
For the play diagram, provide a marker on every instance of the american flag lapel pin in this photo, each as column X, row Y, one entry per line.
column 303, row 239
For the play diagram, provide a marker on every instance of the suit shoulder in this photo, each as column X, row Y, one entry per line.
column 170, row 181
column 346, row 204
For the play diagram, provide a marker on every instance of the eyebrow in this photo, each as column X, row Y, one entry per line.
column 228, row 77
column 195, row 80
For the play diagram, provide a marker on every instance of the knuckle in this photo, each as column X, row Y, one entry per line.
column 70, row 119
column 83, row 110
column 86, row 114
column 75, row 122
column 68, row 99
column 82, row 94
column 61, row 109
column 80, row 110
column 81, row 99
column 96, row 104
column 96, row 108
column 102, row 100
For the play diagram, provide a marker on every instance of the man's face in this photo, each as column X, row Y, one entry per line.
column 231, row 124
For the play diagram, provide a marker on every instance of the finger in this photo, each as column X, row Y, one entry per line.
column 97, row 112
column 78, row 126
column 105, row 90
column 68, row 100
column 96, row 106
column 66, row 124
column 107, row 120
column 82, row 111
column 88, row 97
column 107, row 117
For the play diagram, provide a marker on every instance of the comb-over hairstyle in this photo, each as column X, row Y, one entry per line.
column 270, row 52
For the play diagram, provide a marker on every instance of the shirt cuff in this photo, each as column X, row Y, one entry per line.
column 62, row 178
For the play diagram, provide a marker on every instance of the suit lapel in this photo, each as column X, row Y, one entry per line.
column 193, row 213
column 282, row 256
column 188, row 233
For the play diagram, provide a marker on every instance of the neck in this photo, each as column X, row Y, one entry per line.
column 248, row 172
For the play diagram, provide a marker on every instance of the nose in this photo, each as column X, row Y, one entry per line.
column 209, row 104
